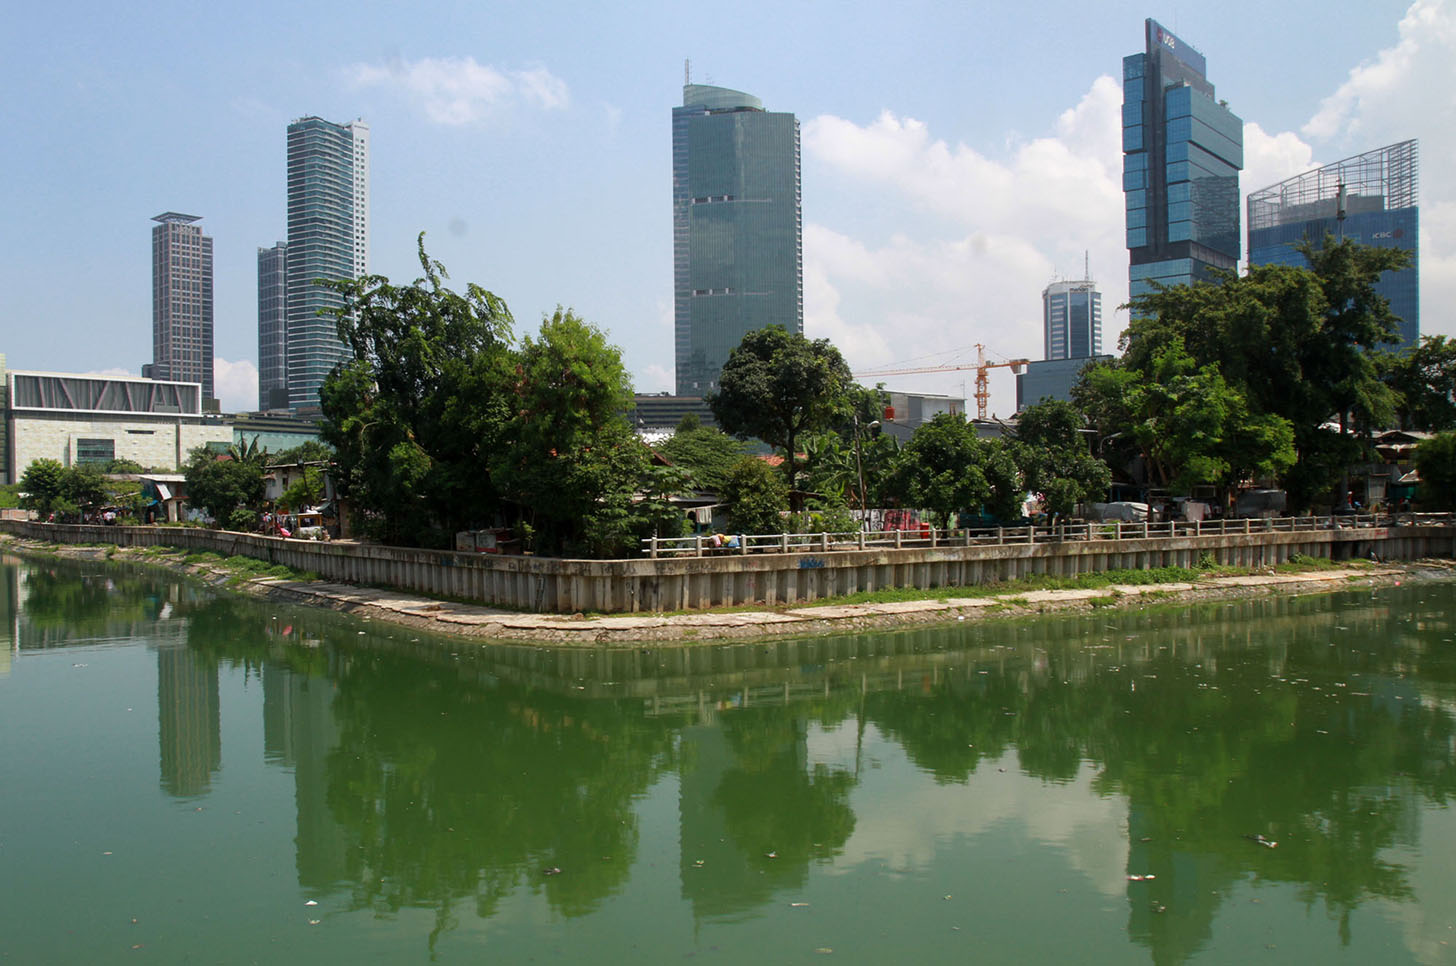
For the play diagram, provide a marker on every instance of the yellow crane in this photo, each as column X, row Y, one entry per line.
column 981, row 366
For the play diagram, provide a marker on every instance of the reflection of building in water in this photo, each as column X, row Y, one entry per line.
column 189, row 724
column 10, row 610
column 299, row 732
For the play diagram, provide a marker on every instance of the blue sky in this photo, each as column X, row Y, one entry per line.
column 956, row 156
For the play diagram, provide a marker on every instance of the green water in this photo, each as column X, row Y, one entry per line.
column 186, row 771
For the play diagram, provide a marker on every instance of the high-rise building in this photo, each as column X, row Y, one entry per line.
column 1182, row 153
column 1370, row 198
column 736, row 228
column 181, row 302
column 1072, row 319
column 272, row 327
column 328, row 238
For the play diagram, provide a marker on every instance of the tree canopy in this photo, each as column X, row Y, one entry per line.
column 779, row 387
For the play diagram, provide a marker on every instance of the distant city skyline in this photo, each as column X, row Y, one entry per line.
column 531, row 145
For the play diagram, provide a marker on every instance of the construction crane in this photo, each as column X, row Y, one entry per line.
column 981, row 366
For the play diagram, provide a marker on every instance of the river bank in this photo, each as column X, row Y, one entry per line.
column 492, row 624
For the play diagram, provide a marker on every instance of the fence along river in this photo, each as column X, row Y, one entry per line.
column 797, row 568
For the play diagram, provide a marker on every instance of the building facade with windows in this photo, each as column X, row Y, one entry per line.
column 182, row 325
column 1371, row 198
column 272, row 327
column 737, row 228
column 77, row 419
column 328, row 238
column 1182, row 153
column 1072, row 319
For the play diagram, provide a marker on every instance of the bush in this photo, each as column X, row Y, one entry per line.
column 755, row 496
column 243, row 520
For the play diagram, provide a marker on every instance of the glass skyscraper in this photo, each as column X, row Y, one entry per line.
column 182, row 330
column 737, row 228
column 1370, row 198
column 1072, row 319
column 1182, row 153
column 328, row 237
column 272, row 330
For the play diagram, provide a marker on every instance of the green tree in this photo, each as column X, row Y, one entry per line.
column 1436, row 464
column 305, row 492
column 755, row 497
column 1423, row 379
column 309, row 451
column 942, row 468
column 707, row 454
column 780, row 387
column 567, row 456
column 414, row 416
column 1055, row 456
column 219, row 486
column 43, row 484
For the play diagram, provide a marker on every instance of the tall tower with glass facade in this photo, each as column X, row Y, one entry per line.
column 1182, row 153
column 1370, row 198
column 328, row 237
column 182, row 335
column 737, row 229
column 1072, row 319
column 272, row 327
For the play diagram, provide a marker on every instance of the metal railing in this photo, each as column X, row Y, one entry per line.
column 704, row 545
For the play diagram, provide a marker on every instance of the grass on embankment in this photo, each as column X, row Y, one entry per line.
column 1089, row 581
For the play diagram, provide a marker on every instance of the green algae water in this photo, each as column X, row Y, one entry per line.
column 194, row 777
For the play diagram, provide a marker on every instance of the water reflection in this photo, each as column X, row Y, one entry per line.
column 445, row 776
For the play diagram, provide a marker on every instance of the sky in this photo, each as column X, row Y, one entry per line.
column 956, row 156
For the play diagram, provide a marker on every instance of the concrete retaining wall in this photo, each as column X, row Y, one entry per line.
column 666, row 584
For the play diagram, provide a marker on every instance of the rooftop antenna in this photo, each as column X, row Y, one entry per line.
column 687, row 71
column 1086, row 265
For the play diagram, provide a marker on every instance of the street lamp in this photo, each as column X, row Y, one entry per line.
column 859, row 470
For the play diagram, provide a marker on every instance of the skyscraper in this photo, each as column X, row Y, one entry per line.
column 737, row 246
column 1370, row 198
column 1182, row 153
column 181, row 302
column 1072, row 319
column 272, row 327
column 328, row 237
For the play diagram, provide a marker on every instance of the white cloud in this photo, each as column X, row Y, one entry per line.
column 979, row 240
column 115, row 372
column 459, row 90
column 236, row 385
column 1405, row 83
column 1270, row 158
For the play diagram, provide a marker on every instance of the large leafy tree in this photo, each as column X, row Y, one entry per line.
column 780, row 387
column 414, row 416
column 1436, row 464
column 1423, row 378
column 1056, row 458
column 942, row 468
column 220, row 485
column 567, row 456
column 708, row 455
column 1296, row 343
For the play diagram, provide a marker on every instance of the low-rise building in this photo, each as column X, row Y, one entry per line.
column 79, row 419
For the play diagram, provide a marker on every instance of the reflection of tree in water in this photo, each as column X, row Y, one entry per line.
column 450, row 791
column 1321, row 747
column 62, row 601
column 776, row 813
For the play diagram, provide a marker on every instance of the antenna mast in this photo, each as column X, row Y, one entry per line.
column 687, row 71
